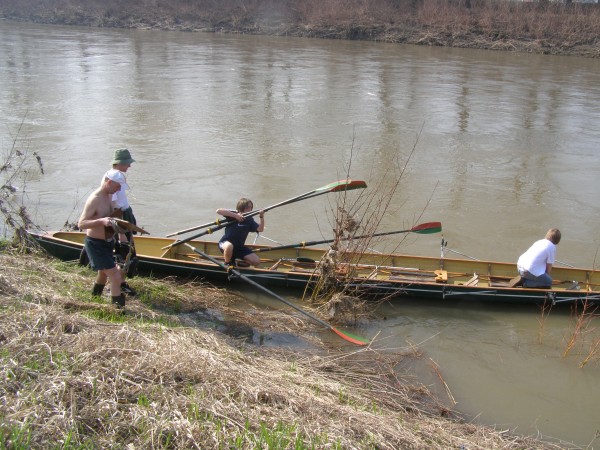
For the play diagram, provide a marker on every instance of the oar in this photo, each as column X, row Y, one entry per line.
column 424, row 228
column 347, row 336
column 338, row 186
column 342, row 185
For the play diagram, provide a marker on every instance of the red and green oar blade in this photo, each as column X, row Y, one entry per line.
column 427, row 228
column 349, row 337
column 424, row 228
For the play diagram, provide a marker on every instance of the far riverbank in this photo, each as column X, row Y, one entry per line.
column 532, row 27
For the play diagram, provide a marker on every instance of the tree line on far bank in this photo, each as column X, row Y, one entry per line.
column 559, row 27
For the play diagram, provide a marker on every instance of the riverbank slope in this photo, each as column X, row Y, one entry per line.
column 535, row 27
column 172, row 373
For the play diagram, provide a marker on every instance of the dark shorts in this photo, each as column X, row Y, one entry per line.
column 129, row 217
column 100, row 252
column 238, row 252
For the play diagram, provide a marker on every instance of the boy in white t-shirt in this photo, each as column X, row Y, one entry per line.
column 535, row 264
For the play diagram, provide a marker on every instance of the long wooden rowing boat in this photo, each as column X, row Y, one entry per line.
column 369, row 273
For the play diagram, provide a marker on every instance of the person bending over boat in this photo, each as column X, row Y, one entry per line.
column 535, row 264
column 232, row 244
column 99, row 239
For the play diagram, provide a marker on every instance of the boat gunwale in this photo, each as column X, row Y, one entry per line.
column 443, row 289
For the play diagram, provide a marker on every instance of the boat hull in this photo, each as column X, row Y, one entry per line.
column 365, row 274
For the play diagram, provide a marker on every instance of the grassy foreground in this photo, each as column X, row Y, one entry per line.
column 76, row 374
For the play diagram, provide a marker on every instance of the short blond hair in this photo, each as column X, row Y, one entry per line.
column 553, row 235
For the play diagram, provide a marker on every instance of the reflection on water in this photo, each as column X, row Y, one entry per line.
column 505, row 148
column 503, row 365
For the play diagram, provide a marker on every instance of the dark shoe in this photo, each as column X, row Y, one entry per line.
column 126, row 289
column 97, row 290
column 516, row 281
column 119, row 301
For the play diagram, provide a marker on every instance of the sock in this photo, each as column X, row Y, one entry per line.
column 119, row 300
column 98, row 288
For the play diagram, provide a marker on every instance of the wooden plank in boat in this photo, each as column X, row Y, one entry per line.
column 473, row 281
column 422, row 278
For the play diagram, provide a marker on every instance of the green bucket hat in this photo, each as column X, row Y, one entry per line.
column 122, row 156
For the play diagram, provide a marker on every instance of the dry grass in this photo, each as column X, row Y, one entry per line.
column 77, row 375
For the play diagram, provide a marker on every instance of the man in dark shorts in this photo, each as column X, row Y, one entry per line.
column 123, row 244
column 99, row 241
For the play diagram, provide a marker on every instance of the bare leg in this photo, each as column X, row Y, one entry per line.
column 101, row 278
column 252, row 259
column 114, row 276
column 227, row 251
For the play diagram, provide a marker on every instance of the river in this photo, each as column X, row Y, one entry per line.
column 497, row 146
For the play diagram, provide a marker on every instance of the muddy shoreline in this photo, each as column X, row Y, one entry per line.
column 148, row 378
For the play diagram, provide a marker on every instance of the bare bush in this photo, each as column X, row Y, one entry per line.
column 355, row 221
column 18, row 167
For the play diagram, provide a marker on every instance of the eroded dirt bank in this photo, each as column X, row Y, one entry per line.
column 536, row 27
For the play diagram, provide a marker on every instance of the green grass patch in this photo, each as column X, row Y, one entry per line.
column 106, row 315
column 163, row 296
column 15, row 437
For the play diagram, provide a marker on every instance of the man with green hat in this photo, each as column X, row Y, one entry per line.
column 122, row 161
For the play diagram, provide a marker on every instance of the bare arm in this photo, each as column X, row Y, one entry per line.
column 231, row 214
column 261, row 226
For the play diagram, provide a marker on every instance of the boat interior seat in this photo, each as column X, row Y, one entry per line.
column 441, row 276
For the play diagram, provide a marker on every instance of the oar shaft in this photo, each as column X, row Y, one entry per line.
column 258, row 286
column 332, row 187
column 226, row 222
column 198, row 227
column 416, row 229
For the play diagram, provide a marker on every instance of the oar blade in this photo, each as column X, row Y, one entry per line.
column 343, row 185
column 350, row 337
column 427, row 228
